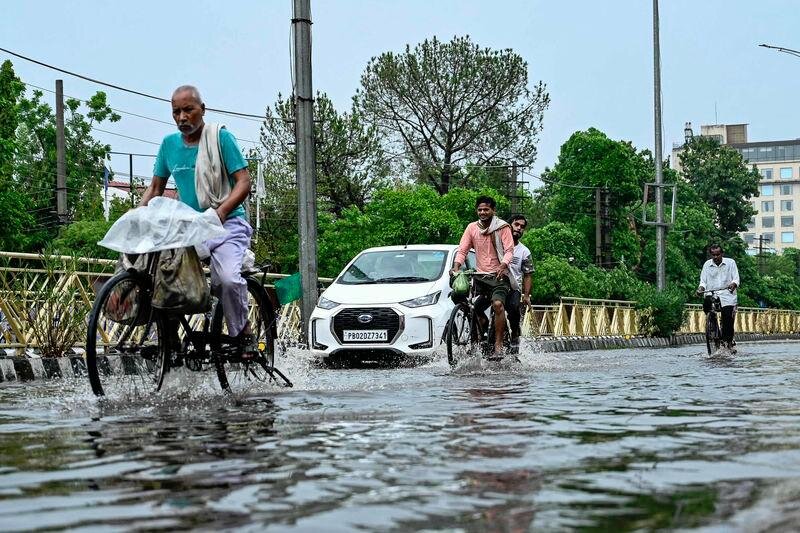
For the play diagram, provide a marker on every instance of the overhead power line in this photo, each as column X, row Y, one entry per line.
column 552, row 182
column 126, row 136
column 128, row 113
column 124, row 89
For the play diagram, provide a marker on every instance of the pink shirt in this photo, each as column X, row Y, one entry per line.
column 485, row 253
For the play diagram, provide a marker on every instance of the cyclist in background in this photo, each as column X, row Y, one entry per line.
column 721, row 272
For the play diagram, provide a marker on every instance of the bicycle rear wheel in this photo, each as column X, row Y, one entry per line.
column 127, row 352
column 460, row 336
column 712, row 333
column 233, row 372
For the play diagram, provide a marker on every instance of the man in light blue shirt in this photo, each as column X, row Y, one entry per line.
column 177, row 157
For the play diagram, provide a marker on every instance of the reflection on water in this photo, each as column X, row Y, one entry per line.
column 612, row 440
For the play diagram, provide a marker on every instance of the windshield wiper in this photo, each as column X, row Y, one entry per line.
column 401, row 279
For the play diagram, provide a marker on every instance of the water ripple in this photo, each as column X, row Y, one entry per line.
column 621, row 440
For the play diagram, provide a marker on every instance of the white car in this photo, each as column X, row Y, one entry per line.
column 389, row 305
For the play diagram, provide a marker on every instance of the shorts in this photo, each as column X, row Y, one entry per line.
column 489, row 285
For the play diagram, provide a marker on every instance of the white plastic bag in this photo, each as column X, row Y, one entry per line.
column 162, row 224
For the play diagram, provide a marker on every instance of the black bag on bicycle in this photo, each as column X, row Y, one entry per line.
column 180, row 284
column 124, row 305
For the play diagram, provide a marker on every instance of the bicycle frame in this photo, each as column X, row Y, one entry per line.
column 198, row 347
column 713, row 325
column 477, row 329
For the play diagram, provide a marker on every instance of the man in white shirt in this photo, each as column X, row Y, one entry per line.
column 721, row 273
column 521, row 268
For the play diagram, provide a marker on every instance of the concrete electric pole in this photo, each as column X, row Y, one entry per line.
column 61, row 156
column 305, row 171
column 661, row 228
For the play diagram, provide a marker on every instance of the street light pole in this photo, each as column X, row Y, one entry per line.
column 782, row 49
column 661, row 229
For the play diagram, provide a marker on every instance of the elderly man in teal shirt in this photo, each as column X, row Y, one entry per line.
column 177, row 157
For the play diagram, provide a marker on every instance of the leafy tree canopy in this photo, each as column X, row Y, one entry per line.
column 723, row 181
column 440, row 106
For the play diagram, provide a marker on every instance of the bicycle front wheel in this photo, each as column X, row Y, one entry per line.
column 460, row 337
column 126, row 346
column 712, row 333
column 233, row 372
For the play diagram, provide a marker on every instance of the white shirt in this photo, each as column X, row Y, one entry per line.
column 520, row 263
column 719, row 276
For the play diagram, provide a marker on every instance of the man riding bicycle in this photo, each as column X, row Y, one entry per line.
column 721, row 273
column 493, row 243
column 209, row 171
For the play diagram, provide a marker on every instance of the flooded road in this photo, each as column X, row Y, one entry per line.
column 606, row 440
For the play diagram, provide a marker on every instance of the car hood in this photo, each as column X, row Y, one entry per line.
column 381, row 293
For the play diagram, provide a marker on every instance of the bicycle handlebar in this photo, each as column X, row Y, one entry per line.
column 712, row 291
column 477, row 273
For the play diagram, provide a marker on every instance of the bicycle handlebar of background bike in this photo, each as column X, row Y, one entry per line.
column 712, row 291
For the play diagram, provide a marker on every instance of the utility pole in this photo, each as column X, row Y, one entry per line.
column 598, row 232
column 602, row 227
column 661, row 228
column 130, row 166
column 61, row 156
column 305, row 170
column 259, row 192
column 513, row 191
column 761, row 241
column 605, row 222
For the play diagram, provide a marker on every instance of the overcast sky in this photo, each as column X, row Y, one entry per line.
column 594, row 56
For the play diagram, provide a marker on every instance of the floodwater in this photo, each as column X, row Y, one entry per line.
column 602, row 440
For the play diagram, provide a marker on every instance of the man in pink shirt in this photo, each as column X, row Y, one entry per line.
column 493, row 243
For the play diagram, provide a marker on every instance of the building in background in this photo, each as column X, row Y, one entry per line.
column 777, row 220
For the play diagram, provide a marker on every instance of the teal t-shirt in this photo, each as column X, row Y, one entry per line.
column 176, row 159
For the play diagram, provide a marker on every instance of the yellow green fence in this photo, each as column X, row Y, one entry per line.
column 35, row 290
column 580, row 317
column 26, row 315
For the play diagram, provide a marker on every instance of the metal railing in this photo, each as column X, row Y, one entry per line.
column 29, row 281
column 24, row 278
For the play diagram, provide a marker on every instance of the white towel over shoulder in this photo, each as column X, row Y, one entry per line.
column 211, row 182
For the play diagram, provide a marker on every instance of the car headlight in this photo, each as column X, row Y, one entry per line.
column 326, row 304
column 429, row 299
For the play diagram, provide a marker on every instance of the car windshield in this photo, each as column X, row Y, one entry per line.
column 395, row 266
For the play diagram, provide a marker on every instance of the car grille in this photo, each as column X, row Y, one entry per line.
column 382, row 318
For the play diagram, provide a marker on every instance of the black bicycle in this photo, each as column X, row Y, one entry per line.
column 131, row 345
column 465, row 334
column 713, row 327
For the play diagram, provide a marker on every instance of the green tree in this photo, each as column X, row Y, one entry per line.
column 554, row 277
column 723, row 181
column 11, row 88
column 557, row 239
column 80, row 239
column 443, row 105
column 661, row 313
column 350, row 163
column 588, row 160
column 28, row 161
column 408, row 214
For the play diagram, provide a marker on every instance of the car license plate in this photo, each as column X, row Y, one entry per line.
column 365, row 335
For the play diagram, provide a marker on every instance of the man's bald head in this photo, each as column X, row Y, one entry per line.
column 188, row 110
column 191, row 89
